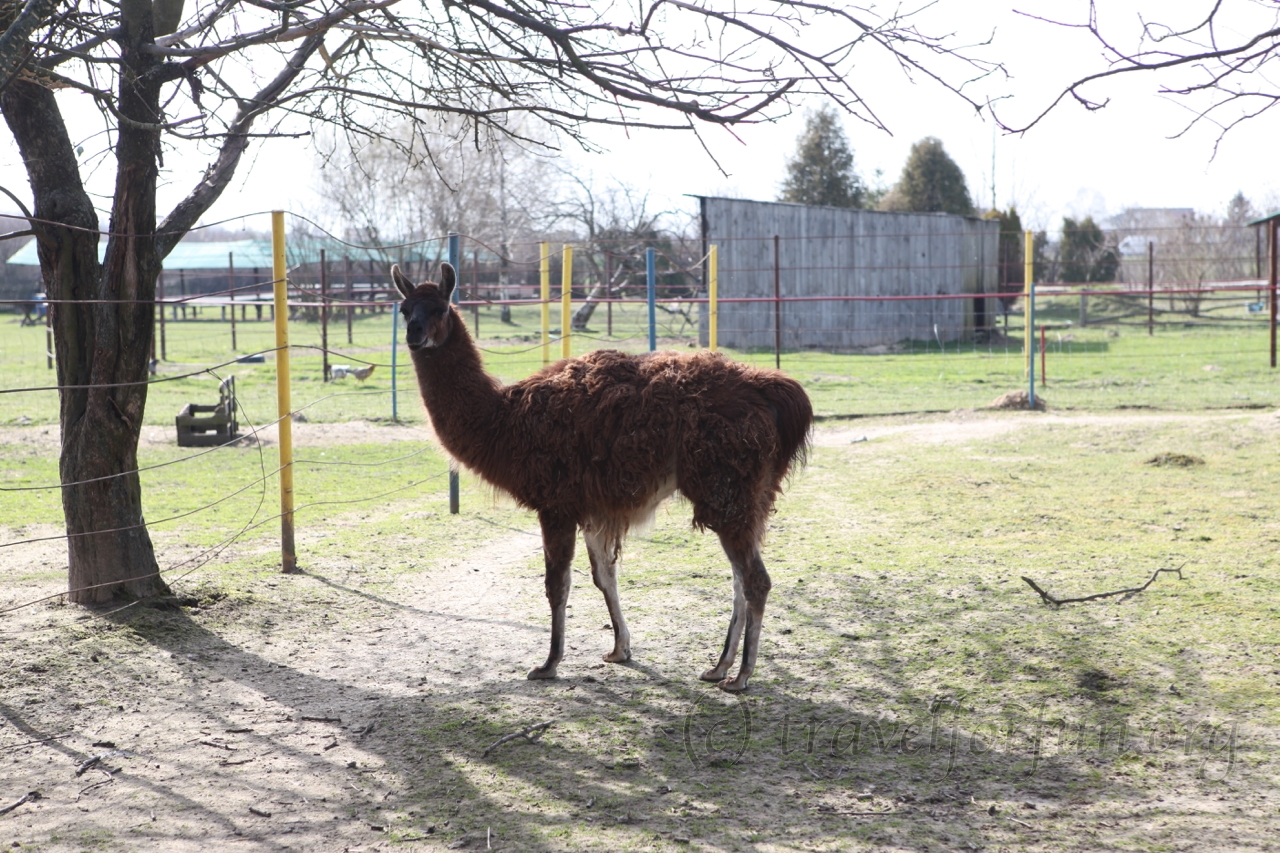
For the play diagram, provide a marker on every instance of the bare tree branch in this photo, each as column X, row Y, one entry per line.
column 1164, row 51
column 14, row 47
column 219, row 174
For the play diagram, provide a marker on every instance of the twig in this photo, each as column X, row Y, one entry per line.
column 1058, row 602
column 106, row 781
column 90, row 763
column 855, row 814
column 1023, row 823
column 309, row 719
column 531, row 734
column 216, row 745
column 29, row 797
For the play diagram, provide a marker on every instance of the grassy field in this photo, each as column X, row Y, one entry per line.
column 913, row 692
column 1188, row 364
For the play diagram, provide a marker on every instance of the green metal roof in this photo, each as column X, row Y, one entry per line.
column 1264, row 219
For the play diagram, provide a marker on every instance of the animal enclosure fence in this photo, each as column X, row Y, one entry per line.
column 1156, row 341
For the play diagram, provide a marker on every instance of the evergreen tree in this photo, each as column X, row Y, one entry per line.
column 1084, row 253
column 931, row 182
column 822, row 171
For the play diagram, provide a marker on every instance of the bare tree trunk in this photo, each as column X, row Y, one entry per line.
column 99, row 341
column 582, row 316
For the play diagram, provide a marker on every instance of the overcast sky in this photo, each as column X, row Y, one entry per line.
column 1073, row 163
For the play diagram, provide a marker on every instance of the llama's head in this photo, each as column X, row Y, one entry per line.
column 427, row 318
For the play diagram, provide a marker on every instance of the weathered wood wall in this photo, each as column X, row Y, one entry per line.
column 826, row 251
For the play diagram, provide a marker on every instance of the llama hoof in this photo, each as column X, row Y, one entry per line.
column 618, row 657
column 713, row 674
column 733, row 685
column 542, row 673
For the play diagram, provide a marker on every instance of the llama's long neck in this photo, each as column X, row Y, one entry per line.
column 464, row 402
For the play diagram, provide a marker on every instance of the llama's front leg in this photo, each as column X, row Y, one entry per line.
column 557, row 550
column 604, row 571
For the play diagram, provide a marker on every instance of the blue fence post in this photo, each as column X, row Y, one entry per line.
column 455, row 256
column 651, row 280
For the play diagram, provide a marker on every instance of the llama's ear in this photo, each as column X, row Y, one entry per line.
column 401, row 281
column 448, row 279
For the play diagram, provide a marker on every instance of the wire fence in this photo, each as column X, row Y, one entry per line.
column 1150, row 339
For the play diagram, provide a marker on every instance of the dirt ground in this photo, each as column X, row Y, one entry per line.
column 349, row 709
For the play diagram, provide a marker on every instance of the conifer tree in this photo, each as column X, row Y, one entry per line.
column 931, row 182
column 822, row 171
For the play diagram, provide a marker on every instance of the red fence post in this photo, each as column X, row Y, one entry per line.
column 777, row 308
column 324, row 315
column 1151, row 287
column 350, row 310
column 1273, row 232
column 231, row 290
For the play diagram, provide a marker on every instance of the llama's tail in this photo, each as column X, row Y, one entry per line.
column 794, row 415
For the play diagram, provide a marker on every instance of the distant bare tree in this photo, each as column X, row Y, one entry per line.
column 416, row 184
column 617, row 224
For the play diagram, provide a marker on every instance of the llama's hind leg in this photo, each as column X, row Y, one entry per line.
column 604, row 571
column 734, row 635
column 753, row 581
column 557, row 549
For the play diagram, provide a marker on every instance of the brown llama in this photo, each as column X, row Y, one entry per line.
column 598, row 442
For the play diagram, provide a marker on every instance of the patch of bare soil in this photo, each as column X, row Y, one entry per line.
column 257, row 719
column 967, row 425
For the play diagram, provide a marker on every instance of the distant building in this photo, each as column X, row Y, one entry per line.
column 1137, row 226
column 851, row 255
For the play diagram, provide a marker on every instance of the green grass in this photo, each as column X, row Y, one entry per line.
column 1196, row 364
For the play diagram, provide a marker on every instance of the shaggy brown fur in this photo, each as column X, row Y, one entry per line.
column 598, row 442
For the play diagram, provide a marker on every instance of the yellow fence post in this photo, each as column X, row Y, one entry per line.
column 284, row 407
column 1028, row 271
column 545, row 249
column 566, row 296
column 713, row 294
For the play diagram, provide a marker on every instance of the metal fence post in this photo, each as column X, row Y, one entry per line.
column 566, row 298
column 324, row 316
column 651, row 286
column 455, row 259
column 544, row 277
column 713, row 295
column 777, row 306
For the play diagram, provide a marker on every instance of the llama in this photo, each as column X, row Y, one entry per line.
column 598, row 442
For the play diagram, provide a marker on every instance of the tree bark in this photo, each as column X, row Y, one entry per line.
column 102, row 315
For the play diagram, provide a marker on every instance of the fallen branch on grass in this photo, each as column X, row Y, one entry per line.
column 29, row 797
column 530, row 734
column 1058, row 602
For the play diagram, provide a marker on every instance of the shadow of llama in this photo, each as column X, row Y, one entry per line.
column 598, row 442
